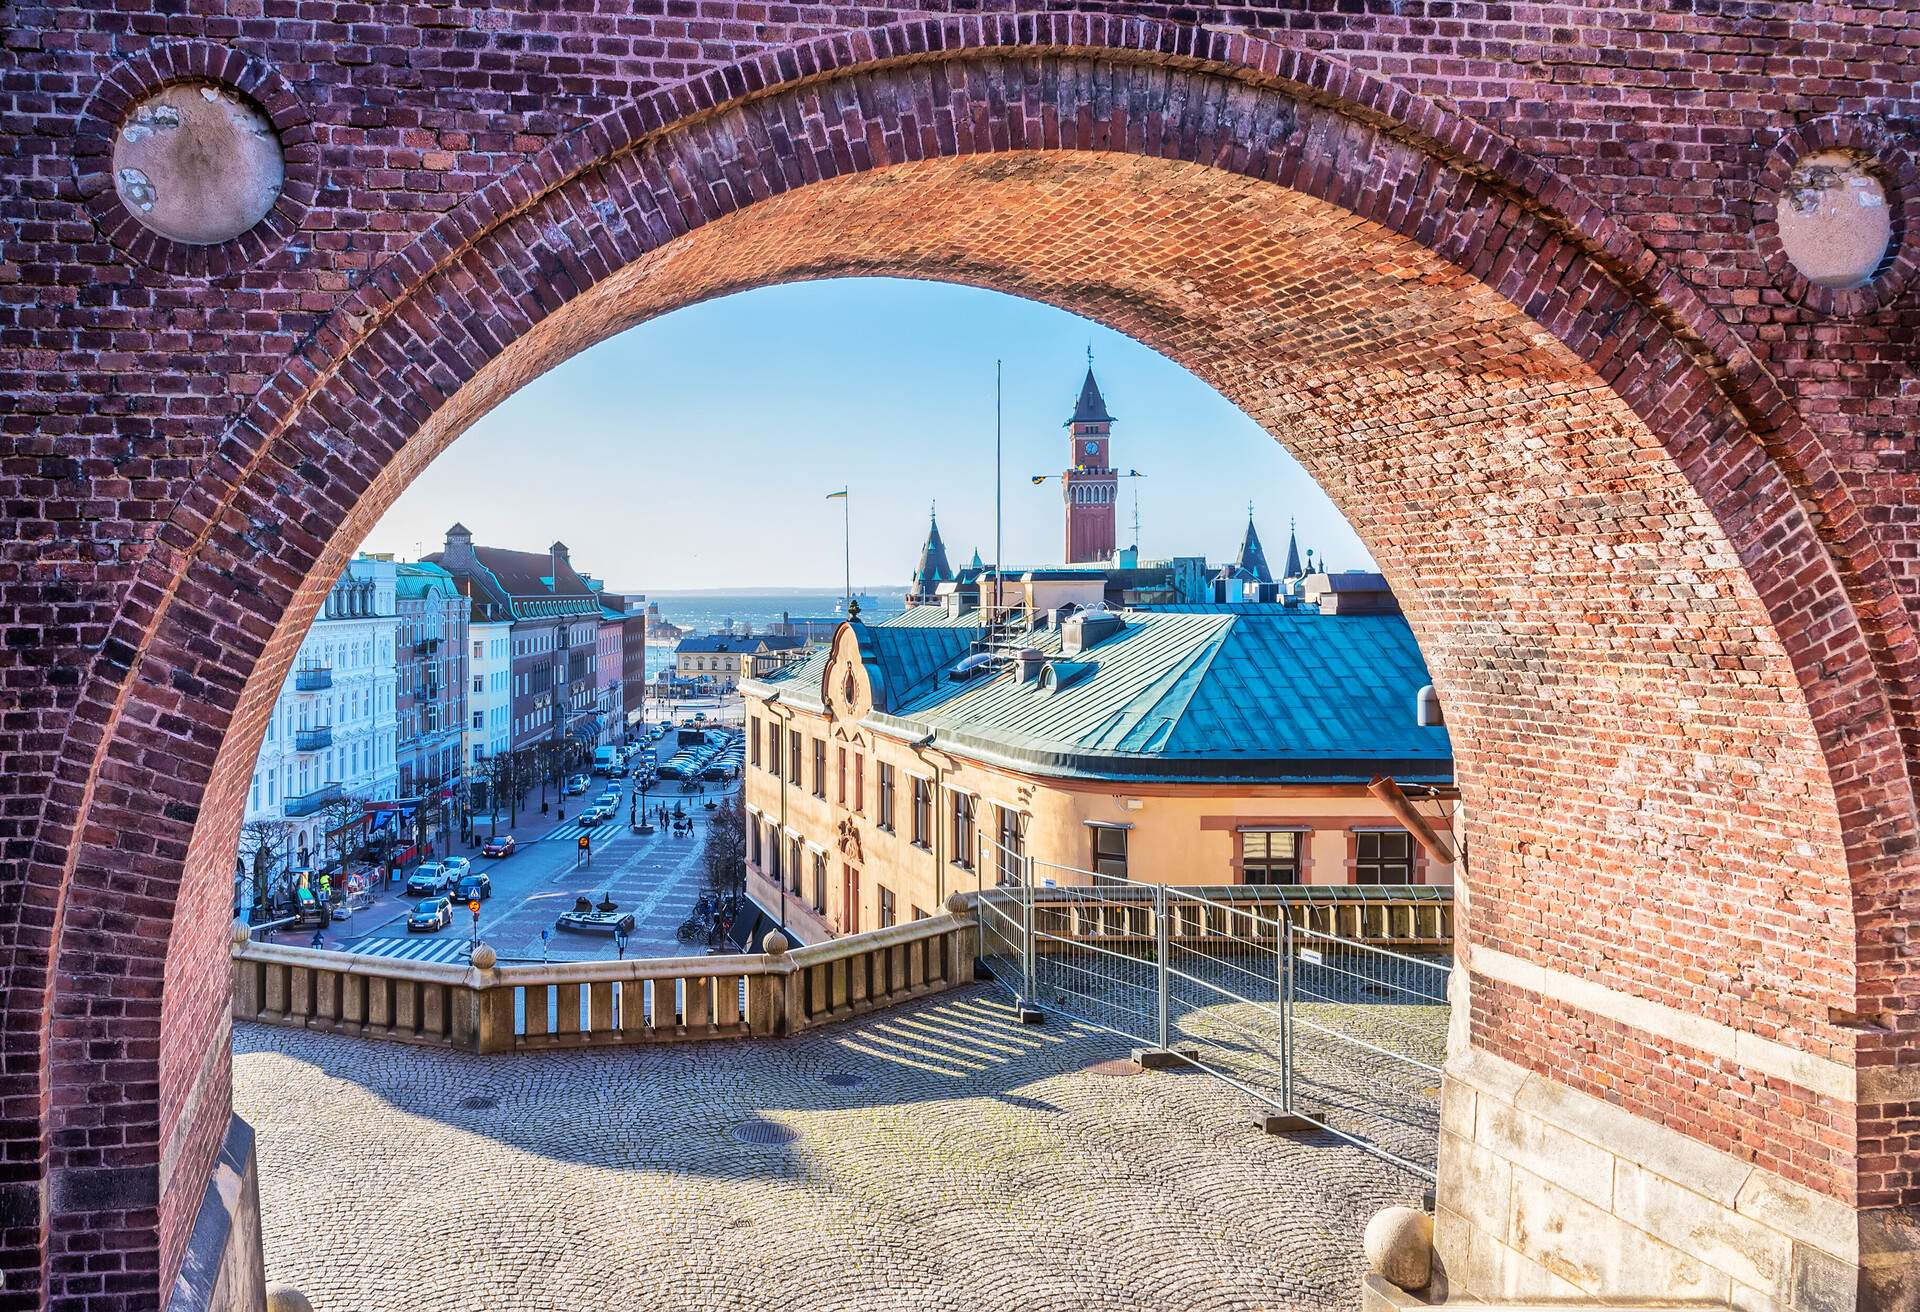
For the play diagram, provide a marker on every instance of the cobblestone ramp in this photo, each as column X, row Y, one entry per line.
column 941, row 1156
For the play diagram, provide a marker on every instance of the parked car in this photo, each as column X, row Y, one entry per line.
column 500, row 846
column 430, row 916
column 457, row 868
column 429, row 879
column 576, row 785
column 475, row 886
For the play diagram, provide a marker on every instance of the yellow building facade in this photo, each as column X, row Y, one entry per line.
column 899, row 766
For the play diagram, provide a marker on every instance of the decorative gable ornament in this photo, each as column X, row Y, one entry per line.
column 848, row 841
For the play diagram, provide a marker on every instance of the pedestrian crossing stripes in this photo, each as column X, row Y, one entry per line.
column 570, row 832
column 437, row 948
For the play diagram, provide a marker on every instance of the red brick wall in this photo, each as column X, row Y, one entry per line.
column 1489, row 269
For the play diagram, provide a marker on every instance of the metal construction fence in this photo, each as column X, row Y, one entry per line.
column 1254, row 985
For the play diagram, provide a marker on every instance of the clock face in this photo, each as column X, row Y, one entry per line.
column 1093, row 448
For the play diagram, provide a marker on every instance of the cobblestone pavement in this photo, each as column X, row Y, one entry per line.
column 942, row 1157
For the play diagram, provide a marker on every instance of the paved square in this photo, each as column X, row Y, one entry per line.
column 940, row 1156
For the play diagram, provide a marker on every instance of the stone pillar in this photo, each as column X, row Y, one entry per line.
column 1546, row 1192
column 223, row 1269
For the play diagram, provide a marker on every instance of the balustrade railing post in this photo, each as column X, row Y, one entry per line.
column 1026, row 936
column 1160, row 941
column 1284, row 988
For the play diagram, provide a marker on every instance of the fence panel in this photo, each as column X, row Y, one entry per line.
column 1292, row 996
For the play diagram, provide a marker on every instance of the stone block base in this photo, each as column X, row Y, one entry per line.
column 1164, row 1059
column 224, row 1270
column 1546, row 1193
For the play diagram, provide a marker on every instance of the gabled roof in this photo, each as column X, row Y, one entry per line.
column 1091, row 408
column 526, row 584
column 726, row 642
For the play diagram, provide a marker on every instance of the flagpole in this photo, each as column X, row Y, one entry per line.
column 995, row 617
column 846, row 545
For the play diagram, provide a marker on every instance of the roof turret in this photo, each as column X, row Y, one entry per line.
column 933, row 568
column 1091, row 408
column 1252, row 559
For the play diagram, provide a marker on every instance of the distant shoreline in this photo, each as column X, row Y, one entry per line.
column 762, row 592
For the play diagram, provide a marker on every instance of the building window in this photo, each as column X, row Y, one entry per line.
column 840, row 771
column 1383, row 856
column 1109, row 852
column 773, row 750
column 793, row 866
column 793, row 757
column 886, row 904
column 820, row 768
column 753, row 843
column 476, row 719
column 883, row 813
column 1013, row 847
column 962, row 821
column 859, row 782
column 820, row 882
column 753, row 739
column 922, row 812
column 1270, row 856
column 773, row 854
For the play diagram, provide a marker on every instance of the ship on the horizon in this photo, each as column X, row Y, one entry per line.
column 864, row 600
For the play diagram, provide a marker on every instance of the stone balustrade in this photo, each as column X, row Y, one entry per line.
column 489, row 1007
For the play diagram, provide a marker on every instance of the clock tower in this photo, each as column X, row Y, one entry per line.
column 1090, row 487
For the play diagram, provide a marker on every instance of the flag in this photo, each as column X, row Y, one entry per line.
column 1038, row 479
column 833, row 496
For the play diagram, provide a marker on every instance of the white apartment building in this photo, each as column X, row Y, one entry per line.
column 489, row 695
column 334, row 732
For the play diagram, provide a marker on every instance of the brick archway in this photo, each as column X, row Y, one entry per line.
column 1651, row 609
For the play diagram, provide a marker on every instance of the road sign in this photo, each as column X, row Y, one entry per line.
column 583, row 842
column 473, row 905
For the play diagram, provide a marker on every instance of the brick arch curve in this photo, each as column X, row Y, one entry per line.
column 243, row 565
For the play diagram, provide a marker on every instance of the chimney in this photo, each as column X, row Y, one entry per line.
column 1027, row 665
column 558, row 554
column 457, row 556
column 1426, row 708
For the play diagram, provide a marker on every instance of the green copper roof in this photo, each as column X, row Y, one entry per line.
column 1248, row 692
column 1225, row 693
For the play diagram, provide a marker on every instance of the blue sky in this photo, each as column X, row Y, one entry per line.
column 697, row 450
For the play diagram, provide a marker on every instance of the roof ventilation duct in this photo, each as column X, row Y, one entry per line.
column 1087, row 629
column 1027, row 664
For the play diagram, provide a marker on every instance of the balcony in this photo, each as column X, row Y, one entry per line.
column 315, row 678
column 313, row 740
column 308, row 803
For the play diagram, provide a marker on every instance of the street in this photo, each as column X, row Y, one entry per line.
column 657, row 877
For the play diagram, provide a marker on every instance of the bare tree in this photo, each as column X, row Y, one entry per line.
column 726, row 852
column 341, row 817
column 266, row 847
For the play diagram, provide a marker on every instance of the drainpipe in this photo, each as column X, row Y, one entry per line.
column 919, row 747
column 782, row 731
column 1389, row 794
